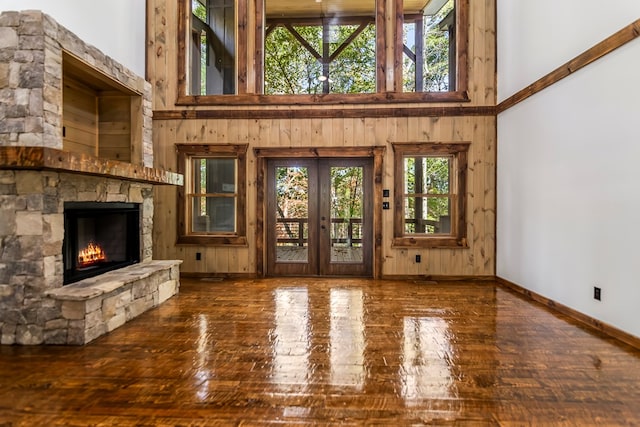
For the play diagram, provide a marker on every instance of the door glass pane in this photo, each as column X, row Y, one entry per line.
column 292, row 213
column 347, row 201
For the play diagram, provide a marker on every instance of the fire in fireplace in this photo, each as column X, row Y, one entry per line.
column 99, row 237
column 91, row 255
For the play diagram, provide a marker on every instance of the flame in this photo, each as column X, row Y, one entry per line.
column 90, row 255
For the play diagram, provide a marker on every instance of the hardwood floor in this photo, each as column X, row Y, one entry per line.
column 329, row 352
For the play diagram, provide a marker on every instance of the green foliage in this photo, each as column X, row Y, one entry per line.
column 199, row 10
column 346, row 192
column 354, row 70
column 436, row 54
column 292, row 192
column 291, row 69
column 347, row 196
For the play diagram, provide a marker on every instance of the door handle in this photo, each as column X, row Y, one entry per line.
column 323, row 227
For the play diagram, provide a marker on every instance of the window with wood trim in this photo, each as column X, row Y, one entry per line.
column 345, row 51
column 211, row 205
column 212, row 47
column 430, row 194
column 320, row 47
column 429, row 47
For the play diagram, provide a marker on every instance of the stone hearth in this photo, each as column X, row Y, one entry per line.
column 92, row 307
column 39, row 173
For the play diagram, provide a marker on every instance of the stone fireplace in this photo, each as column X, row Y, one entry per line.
column 56, row 181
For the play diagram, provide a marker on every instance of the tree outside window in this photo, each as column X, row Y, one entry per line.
column 428, row 195
column 314, row 59
column 429, row 50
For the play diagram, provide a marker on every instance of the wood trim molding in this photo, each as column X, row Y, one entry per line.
column 421, row 279
column 183, row 10
column 309, row 113
column 589, row 321
column 398, row 41
column 216, row 277
column 316, row 152
column 619, row 39
column 241, row 46
column 457, row 238
column 381, row 46
column 259, row 37
column 43, row 158
column 462, row 40
column 261, row 100
column 185, row 152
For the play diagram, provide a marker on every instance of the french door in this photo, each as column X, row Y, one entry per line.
column 319, row 217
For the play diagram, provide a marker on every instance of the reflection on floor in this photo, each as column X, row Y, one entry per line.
column 330, row 352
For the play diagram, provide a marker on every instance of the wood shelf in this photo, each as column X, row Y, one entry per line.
column 42, row 158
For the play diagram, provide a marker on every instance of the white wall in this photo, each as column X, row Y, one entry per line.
column 569, row 159
column 116, row 27
column 535, row 37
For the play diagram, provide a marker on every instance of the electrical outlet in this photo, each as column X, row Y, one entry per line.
column 418, row 258
column 597, row 293
column 198, row 256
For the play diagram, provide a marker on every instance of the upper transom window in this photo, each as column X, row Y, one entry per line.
column 325, row 46
column 212, row 47
column 429, row 42
column 347, row 51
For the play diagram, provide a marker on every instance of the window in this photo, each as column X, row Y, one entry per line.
column 320, row 47
column 429, row 48
column 347, row 51
column 211, row 205
column 430, row 194
column 212, row 47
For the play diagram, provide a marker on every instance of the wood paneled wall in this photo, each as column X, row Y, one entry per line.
column 452, row 126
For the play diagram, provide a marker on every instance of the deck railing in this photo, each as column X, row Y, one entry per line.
column 294, row 230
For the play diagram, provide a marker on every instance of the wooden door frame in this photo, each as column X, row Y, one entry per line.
column 264, row 154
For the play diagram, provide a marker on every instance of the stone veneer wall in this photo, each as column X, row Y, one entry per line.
column 31, row 46
column 31, row 235
column 35, row 308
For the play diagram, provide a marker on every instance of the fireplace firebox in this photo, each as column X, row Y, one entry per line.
column 99, row 237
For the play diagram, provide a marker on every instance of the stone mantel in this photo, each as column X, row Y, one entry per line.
column 44, row 158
